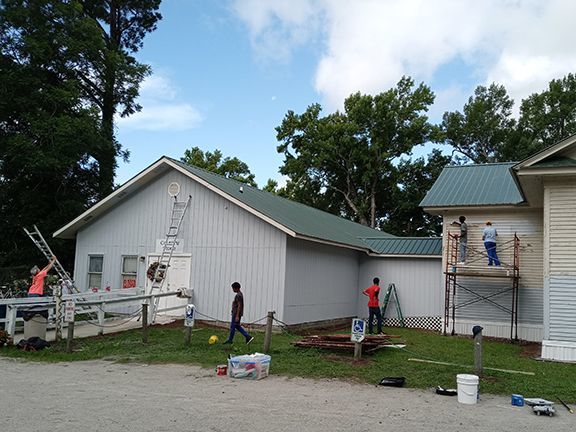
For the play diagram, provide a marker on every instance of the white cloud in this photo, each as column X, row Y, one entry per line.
column 370, row 44
column 161, row 110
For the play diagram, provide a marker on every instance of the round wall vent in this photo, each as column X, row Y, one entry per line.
column 173, row 189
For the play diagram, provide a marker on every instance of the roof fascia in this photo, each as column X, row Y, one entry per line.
column 547, row 171
column 545, row 153
column 106, row 201
column 377, row 255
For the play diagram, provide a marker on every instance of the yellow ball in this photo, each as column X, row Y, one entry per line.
column 213, row 339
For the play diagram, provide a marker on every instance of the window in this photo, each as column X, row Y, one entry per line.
column 95, row 263
column 129, row 267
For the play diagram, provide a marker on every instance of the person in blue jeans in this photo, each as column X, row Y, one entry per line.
column 237, row 312
column 489, row 237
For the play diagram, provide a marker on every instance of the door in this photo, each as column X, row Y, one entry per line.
column 177, row 277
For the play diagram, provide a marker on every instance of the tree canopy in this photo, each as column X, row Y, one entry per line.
column 232, row 168
column 65, row 70
column 343, row 162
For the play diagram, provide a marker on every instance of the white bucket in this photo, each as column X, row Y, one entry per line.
column 467, row 388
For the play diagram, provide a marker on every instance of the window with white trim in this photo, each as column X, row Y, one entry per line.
column 129, row 271
column 95, row 263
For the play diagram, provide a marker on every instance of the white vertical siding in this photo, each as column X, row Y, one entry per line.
column 560, row 220
column 226, row 243
column 528, row 226
column 418, row 281
column 321, row 282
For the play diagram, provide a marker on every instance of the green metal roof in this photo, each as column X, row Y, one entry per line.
column 474, row 185
column 406, row 245
column 302, row 219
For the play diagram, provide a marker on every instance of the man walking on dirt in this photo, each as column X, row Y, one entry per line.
column 237, row 312
column 372, row 293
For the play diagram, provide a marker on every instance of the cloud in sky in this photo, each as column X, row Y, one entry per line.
column 161, row 110
column 369, row 44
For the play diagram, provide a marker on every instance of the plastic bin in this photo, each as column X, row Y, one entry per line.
column 250, row 366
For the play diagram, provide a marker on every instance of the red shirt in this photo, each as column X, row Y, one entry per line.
column 372, row 292
column 37, row 286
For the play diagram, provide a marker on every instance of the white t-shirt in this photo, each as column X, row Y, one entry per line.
column 490, row 234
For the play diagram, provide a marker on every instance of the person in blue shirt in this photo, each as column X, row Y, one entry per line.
column 489, row 237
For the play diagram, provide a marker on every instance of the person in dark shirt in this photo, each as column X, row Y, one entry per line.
column 237, row 312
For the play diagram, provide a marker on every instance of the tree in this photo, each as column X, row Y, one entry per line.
column 413, row 180
column 232, row 168
column 484, row 127
column 549, row 116
column 342, row 162
column 88, row 44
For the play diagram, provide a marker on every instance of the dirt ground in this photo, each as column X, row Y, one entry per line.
column 105, row 396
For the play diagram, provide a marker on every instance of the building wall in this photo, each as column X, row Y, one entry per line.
column 226, row 244
column 560, row 263
column 321, row 282
column 528, row 226
column 418, row 284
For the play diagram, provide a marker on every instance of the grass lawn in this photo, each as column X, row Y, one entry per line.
column 167, row 345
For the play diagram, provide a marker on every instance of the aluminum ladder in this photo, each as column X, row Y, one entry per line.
column 163, row 264
column 65, row 279
column 391, row 292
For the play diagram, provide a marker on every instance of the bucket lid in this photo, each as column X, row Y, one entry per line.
column 467, row 377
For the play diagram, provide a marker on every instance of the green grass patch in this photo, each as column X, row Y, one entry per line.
column 167, row 345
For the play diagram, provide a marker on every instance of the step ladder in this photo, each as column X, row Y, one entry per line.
column 163, row 264
column 65, row 279
column 391, row 294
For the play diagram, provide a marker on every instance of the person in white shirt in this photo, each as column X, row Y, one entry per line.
column 489, row 237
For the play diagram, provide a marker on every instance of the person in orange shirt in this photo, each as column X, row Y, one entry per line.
column 372, row 293
column 38, row 276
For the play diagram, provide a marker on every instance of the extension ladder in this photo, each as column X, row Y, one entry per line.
column 40, row 242
column 163, row 263
column 391, row 292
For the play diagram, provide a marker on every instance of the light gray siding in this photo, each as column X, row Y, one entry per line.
column 321, row 282
column 226, row 244
column 528, row 226
column 560, row 222
column 418, row 281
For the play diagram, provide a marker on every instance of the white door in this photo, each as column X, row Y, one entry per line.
column 177, row 277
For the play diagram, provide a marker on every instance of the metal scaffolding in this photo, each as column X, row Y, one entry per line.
column 454, row 270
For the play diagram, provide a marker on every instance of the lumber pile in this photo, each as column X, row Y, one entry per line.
column 342, row 342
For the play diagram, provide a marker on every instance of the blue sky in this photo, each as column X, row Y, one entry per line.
column 226, row 72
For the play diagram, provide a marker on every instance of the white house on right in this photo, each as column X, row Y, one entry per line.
column 533, row 201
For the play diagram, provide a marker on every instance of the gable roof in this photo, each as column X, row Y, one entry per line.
column 295, row 219
column 474, row 185
column 553, row 156
column 406, row 246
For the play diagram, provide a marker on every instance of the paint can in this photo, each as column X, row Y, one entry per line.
column 467, row 388
column 221, row 369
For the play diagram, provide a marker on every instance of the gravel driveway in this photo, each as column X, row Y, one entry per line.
column 104, row 396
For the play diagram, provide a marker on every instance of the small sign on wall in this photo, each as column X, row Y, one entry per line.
column 178, row 246
column 69, row 311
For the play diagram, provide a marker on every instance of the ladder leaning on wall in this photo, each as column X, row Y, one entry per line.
column 160, row 268
column 36, row 236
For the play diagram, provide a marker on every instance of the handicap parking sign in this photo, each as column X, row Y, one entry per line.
column 189, row 321
column 358, row 330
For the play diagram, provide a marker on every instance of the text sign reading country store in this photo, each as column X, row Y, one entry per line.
column 358, row 330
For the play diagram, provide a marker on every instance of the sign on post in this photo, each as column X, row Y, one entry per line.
column 190, row 315
column 358, row 330
column 69, row 310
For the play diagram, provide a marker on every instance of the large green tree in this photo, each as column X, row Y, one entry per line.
column 232, row 168
column 484, row 127
column 65, row 70
column 343, row 162
column 413, row 178
column 547, row 117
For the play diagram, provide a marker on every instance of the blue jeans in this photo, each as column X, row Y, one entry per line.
column 463, row 244
column 235, row 325
column 492, row 256
column 374, row 312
